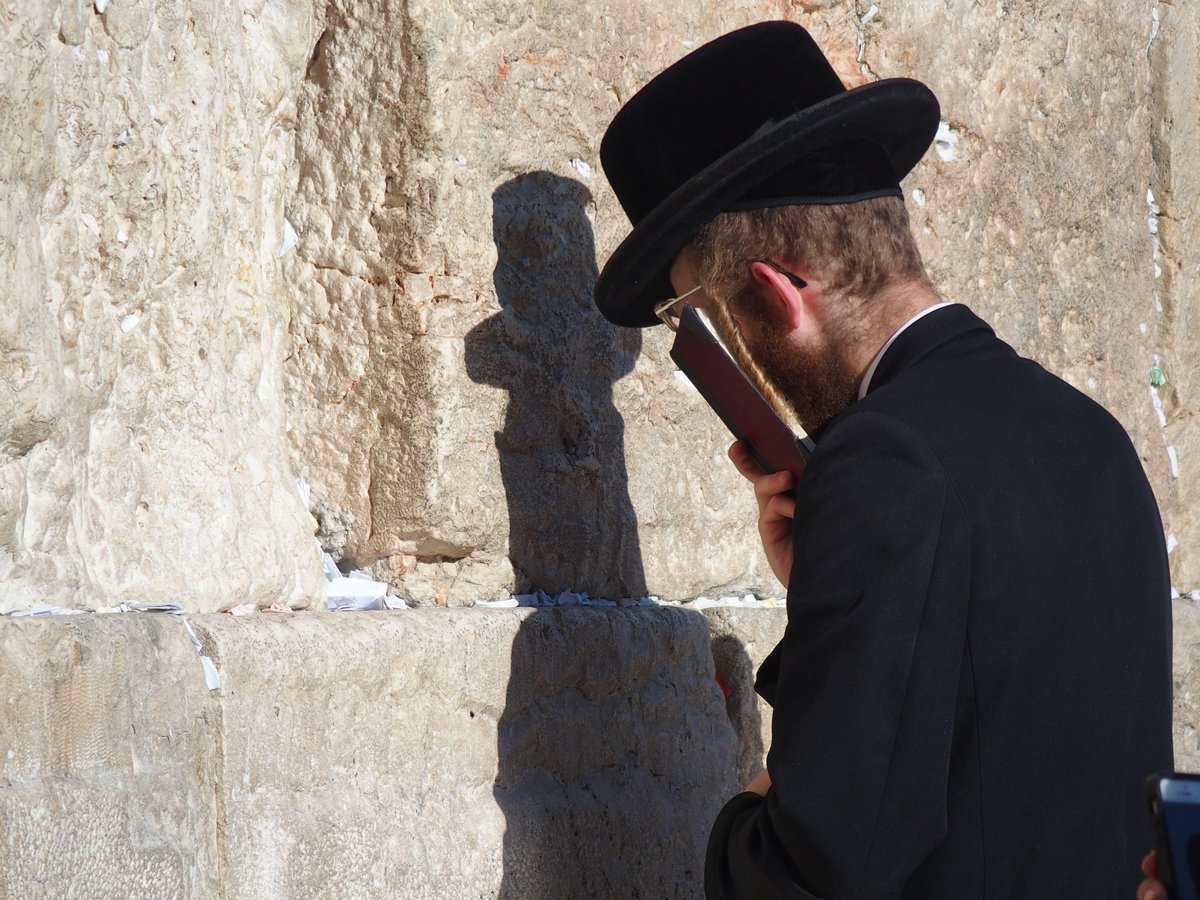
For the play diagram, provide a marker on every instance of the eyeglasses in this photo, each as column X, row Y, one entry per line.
column 790, row 276
column 669, row 315
column 667, row 312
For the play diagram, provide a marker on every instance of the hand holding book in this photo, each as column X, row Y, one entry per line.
column 767, row 452
column 731, row 394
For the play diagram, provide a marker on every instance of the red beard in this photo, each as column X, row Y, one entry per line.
column 810, row 377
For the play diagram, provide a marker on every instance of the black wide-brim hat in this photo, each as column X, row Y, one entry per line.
column 755, row 118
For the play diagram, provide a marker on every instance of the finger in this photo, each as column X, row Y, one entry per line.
column 770, row 486
column 743, row 461
column 760, row 784
column 1150, row 864
column 781, row 506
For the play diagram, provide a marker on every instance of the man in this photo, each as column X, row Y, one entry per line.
column 975, row 675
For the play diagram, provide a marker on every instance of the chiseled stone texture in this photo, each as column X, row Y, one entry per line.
column 427, row 753
column 1175, row 98
column 1040, row 221
column 741, row 640
column 143, row 153
column 468, row 421
column 468, row 753
column 1186, row 615
column 107, row 760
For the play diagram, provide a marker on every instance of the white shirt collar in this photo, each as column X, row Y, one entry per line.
column 866, row 382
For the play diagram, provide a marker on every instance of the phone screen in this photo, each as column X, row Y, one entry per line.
column 1180, row 816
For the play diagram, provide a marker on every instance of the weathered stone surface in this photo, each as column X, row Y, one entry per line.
column 1175, row 135
column 429, row 753
column 1040, row 221
column 467, row 421
column 526, row 753
column 741, row 640
column 460, row 403
column 107, row 760
column 1186, row 614
column 142, row 313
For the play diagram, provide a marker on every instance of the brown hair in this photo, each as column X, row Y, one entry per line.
column 859, row 249
column 722, row 320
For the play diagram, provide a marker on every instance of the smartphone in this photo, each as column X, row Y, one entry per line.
column 1175, row 804
column 733, row 397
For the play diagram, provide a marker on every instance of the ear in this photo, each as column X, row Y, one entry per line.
column 796, row 306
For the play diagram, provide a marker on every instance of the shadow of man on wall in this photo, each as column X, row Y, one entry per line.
column 614, row 754
column 735, row 675
column 562, row 448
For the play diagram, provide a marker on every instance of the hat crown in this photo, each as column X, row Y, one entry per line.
column 755, row 118
column 709, row 103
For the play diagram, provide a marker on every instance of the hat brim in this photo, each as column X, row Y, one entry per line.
column 899, row 115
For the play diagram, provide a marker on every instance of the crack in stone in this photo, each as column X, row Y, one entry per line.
column 861, row 19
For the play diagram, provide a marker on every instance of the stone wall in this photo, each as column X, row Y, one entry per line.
column 431, row 753
column 1174, row 137
column 355, row 242
column 422, row 753
column 142, row 310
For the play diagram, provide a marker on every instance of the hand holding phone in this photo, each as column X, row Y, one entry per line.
column 1174, row 799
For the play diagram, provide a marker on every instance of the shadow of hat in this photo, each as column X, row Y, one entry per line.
column 755, row 118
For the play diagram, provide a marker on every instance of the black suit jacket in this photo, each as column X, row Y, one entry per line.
column 975, row 675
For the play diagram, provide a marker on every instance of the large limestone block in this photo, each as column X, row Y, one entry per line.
column 1186, row 615
column 144, row 150
column 468, row 753
column 107, row 779
column 1033, row 209
column 1175, row 96
column 741, row 640
column 427, row 753
column 468, row 421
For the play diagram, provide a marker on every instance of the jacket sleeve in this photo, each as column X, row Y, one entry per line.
column 867, row 678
